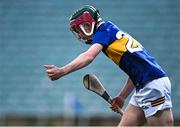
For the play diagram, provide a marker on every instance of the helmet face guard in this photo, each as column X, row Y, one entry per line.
column 84, row 25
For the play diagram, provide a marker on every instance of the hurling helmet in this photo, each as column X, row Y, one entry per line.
column 86, row 16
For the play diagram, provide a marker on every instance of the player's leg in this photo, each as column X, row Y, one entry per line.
column 161, row 118
column 133, row 116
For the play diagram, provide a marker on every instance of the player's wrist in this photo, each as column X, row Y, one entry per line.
column 122, row 96
column 62, row 71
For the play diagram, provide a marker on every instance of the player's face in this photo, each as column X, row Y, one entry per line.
column 83, row 26
column 86, row 26
column 82, row 30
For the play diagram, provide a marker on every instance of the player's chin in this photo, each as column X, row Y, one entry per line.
column 53, row 79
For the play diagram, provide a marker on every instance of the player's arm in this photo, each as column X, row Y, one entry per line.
column 118, row 101
column 79, row 62
column 127, row 89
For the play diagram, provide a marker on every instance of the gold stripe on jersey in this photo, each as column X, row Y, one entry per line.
column 117, row 49
column 158, row 101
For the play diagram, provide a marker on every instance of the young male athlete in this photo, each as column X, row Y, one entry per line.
column 151, row 101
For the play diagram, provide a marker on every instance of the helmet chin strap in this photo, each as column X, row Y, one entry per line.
column 91, row 32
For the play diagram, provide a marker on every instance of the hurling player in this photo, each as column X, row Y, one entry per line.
column 151, row 101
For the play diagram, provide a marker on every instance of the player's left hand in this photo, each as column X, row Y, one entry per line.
column 54, row 72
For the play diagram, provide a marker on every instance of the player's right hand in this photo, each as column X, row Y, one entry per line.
column 117, row 103
column 54, row 72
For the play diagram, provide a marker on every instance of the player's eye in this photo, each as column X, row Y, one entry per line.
column 86, row 25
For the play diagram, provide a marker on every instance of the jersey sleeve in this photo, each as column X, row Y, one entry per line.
column 101, row 37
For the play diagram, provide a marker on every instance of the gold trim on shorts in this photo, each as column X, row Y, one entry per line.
column 158, row 101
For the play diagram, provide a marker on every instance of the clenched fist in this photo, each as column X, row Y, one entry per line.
column 54, row 72
column 117, row 103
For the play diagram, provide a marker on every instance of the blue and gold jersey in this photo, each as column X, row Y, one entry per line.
column 128, row 54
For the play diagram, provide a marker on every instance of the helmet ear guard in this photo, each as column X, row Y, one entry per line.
column 97, row 16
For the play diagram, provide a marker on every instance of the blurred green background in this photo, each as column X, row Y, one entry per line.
column 36, row 32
